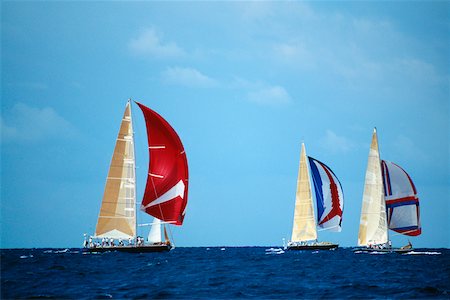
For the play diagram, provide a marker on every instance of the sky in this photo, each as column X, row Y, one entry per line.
column 243, row 84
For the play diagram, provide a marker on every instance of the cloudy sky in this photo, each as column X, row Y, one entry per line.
column 243, row 83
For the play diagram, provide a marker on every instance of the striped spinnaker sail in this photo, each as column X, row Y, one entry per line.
column 402, row 203
column 329, row 196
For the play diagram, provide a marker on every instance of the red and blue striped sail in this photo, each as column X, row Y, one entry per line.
column 329, row 196
column 166, row 191
column 402, row 203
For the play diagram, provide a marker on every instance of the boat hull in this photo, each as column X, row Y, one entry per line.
column 313, row 247
column 130, row 249
column 386, row 250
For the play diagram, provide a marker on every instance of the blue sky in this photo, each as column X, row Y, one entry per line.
column 243, row 84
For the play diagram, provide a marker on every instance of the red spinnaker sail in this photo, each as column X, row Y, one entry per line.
column 166, row 191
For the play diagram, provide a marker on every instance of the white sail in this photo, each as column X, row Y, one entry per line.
column 117, row 217
column 304, row 227
column 154, row 236
column 373, row 224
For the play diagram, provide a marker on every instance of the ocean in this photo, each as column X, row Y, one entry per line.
column 224, row 273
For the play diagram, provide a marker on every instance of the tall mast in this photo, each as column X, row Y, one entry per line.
column 135, row 184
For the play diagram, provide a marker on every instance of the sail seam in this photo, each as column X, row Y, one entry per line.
column 156, row 175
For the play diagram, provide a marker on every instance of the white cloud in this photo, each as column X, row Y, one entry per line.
column 149, row 43
column 336, row 144
column 269, row 95
column 188, row 77
column 28, row 124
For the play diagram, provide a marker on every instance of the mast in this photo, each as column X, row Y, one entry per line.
column 304, row 225
column 135, row 184
column 373, row 223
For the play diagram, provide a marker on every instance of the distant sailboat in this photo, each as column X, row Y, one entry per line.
column 165, row 195
column 389, row 202
column 329, row 202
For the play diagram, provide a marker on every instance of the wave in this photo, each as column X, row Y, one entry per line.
column 274, row 251
column 422, row 253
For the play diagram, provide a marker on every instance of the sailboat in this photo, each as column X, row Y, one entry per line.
column 165, row 195
column 329, row 203
column 390, row 201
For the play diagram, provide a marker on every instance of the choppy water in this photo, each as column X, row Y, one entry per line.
column 245, row 272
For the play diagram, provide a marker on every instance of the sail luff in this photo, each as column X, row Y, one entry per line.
column 304, row 225
column 117, row 217
column 373, row 223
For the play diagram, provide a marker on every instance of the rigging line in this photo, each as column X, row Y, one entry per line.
column 120, row 166
column 134, row 165
column 160, row 209
column 118, row 202
column 156, row 194
column 113, row 214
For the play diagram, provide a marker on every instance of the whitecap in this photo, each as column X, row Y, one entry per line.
column 422, row 253
column 274, row 251
column 62, row 251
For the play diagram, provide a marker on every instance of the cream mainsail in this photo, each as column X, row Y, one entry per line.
column 304, row 228
column 117, row 218
column 373, row 224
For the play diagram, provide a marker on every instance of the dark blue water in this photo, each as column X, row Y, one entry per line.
column 250, row 272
